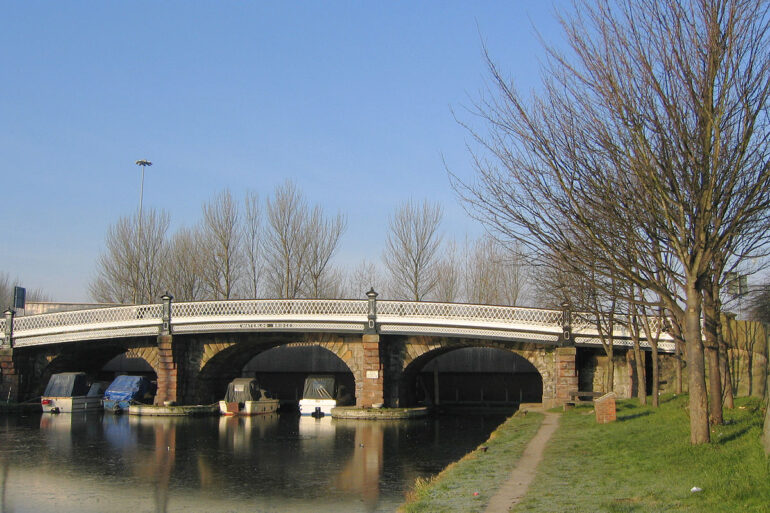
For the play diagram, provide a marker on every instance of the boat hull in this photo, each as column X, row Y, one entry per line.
column 316, row 406
column 70, row 404
column 260, row 407
column 113, row 406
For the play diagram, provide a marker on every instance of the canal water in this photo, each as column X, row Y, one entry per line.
column 265, row 464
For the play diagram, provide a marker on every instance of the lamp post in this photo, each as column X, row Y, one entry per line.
column 566, row 322
column 143, row 164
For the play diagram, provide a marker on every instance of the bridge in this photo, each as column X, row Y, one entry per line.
column 196, row 347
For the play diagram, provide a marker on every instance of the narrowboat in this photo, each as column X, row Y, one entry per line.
column 244, row 397
column 126, row 390
column 320, row 395
column 70, row 392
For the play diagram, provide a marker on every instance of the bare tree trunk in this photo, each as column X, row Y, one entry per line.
column 609, row 384
column 696, row 372
column 766, row 425
column 676, row 331
column 724, row 370
column 641, row 381
column 641, row 376
column 655, row 376
column 711, row 314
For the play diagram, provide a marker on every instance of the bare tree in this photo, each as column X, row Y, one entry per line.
column 131, row 267
column 652, row 131
column 493, row 272
column 183, row 273
column 412, row 249
column 323, row 238
column 363, row 277
column 449, row 283
column 286, row 241
column 253, row 243
column 221, row 255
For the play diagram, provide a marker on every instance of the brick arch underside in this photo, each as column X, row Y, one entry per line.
column 88, row 357
column 219, row 359
column 420, row 350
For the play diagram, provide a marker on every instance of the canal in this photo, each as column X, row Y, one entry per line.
column 265, row 464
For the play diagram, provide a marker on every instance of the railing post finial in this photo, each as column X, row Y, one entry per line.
column 371, row 324
column 9, row 327
column 165, row 328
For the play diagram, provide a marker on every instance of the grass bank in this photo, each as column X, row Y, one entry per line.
column 644, row 463
column 481, row 471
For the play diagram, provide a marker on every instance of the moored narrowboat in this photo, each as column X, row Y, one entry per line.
column 126, row 390
column 68, row 392
column 320, row 395
column 244, row 397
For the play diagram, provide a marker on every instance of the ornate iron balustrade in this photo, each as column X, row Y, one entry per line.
column 393, row 317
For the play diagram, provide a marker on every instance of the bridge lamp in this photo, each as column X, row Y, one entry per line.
column 166, row 313
column 372, row 311
column 566, row 321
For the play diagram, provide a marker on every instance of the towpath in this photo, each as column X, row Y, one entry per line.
column 516, row 487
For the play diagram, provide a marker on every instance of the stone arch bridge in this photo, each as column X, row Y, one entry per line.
column 195, row 348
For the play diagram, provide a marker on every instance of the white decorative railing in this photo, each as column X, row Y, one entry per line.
column 468, row 312
column 392, row 317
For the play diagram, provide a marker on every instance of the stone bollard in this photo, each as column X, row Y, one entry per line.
column 604, row 407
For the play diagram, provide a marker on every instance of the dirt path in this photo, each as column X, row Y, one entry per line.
column 516, row 487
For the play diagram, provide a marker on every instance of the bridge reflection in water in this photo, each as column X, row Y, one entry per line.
column 268, row 463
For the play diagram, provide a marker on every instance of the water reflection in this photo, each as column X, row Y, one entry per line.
column 270, row 463
column 362, row 473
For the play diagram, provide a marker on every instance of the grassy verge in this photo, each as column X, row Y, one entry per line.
column 644, row 462
column 478, row 471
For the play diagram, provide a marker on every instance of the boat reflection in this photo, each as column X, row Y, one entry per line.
column 237, row 433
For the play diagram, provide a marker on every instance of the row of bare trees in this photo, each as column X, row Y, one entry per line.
column 285, row 248
column 642, row 165
column 280, row 249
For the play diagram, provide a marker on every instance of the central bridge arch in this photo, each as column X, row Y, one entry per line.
column 217, row 359
column 419, row 351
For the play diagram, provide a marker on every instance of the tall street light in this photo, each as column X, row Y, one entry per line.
column 143, row 164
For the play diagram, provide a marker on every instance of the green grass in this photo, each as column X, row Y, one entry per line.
column 478, row 471
column 644, row 463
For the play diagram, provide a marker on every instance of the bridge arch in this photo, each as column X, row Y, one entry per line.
column 420, row 351
column 91, row 358
column 218, row 359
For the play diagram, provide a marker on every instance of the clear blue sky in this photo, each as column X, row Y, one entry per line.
column 351, row 100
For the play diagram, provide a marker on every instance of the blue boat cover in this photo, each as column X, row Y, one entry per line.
column 126, row 388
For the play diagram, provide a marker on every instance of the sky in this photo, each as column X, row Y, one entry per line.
column 355, row 102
